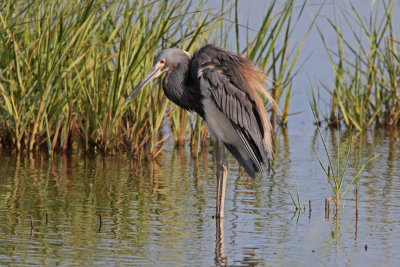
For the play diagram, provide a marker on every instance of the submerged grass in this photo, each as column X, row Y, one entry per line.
column 295, row 200
column 67, row 67
column 366, row 67
column 336, row 173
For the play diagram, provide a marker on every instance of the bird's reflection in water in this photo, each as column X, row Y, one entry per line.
column 220, row 258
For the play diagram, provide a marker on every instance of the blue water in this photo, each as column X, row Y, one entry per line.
column 161, row 212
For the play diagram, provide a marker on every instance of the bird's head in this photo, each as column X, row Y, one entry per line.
column 167, row 59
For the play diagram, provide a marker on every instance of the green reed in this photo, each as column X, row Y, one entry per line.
column 295, row 200
column 336, row 173
column 272, row 49
column 67, row 68
column 366, row 67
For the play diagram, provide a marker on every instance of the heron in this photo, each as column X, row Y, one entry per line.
column 223, row 88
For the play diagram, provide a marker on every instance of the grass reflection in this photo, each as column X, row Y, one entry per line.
column 160, row 212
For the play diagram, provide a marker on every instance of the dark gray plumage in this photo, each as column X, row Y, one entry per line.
column 223, row 89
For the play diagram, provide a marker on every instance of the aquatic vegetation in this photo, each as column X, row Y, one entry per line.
column 271, row 49
column 366, row 65
column 336, row 173
column 295, row 200
column 66, row 70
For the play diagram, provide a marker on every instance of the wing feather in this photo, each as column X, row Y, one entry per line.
column 233, row 84
column 241, row 111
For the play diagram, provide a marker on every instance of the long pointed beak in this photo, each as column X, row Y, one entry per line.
column 153, row 73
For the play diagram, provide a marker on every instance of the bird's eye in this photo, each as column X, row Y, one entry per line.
column 162, row 61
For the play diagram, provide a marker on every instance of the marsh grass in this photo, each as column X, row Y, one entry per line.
column 66, row 70
column 295, row 200
column 273, row 50
column 336, row 173
column 366, row 65
column 67, row 67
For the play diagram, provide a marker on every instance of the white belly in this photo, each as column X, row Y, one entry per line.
column 220, row 127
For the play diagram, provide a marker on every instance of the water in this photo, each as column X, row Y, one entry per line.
column 162, row 212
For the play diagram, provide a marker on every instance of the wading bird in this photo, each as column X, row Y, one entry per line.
column 223, row 89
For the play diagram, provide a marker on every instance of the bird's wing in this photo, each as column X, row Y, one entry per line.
column 239, row 75
column 240, row 108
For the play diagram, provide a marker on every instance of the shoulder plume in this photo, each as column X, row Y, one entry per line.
column 250, row 78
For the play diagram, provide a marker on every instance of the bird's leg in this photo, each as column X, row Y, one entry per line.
column 220, row 257
column 216, row 152
column 223, row 156
column 222, row 173
column 221, row 187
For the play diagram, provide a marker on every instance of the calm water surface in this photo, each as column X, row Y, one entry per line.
column 161, row 212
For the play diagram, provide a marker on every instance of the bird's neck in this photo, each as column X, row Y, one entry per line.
column 174, row 83
column 178, row 88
